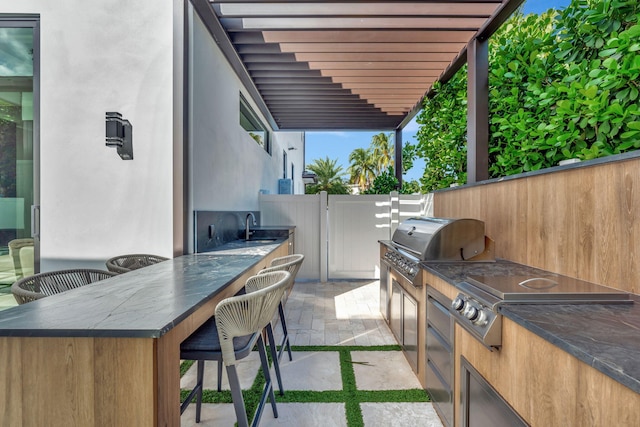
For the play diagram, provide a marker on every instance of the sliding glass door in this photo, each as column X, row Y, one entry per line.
column 18, row 144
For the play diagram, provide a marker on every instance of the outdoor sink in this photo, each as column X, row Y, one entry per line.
column 261, row 240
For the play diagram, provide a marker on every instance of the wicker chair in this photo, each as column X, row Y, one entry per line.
column 230, row 336
column 292, row 264
column 15, row 247
column 26, row 261
column 126, row 263
column 54, row 282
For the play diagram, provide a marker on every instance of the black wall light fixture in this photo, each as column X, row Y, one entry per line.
column 119, row 134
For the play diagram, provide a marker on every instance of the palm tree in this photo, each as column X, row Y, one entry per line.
column 382, row 152
column 329, row 177
column 362, row 168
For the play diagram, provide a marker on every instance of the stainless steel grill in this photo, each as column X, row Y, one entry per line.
column 434, row 239
column 440, row 239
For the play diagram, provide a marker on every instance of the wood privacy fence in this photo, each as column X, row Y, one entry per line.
column 338, row 234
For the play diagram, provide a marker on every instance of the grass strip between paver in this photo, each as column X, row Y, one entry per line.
column 350, row 395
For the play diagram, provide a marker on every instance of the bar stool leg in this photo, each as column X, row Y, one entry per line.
column 274, row 355
column 236, row 394
column 219, row 375
column 267, row 392
column 197, row 391
column 285, row 338
column 200, row 387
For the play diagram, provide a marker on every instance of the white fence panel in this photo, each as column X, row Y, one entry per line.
column 339, row 237
column 304, row 212
column 405, row 206
column 411, row 205
column 356, row 223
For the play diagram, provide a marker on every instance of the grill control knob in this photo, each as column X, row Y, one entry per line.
column 471, row 313
column 482, row 319
column 457, row 304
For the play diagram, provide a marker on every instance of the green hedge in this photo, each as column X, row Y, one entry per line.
column 562, row 85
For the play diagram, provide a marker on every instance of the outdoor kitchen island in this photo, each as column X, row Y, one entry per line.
column 108, row 354
column 558, row 364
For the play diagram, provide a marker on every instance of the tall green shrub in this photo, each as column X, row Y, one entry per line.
column 561, row 86
column 442, row 136
column 597, row 100
column 520, row 102
column 565, row 86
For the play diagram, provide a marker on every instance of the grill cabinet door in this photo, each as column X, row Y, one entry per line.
column 395, row 310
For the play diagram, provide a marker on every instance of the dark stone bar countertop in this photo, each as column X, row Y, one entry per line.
column 604, row 336
column 144, row 303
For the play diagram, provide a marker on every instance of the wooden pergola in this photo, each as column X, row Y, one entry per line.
column 358, row 65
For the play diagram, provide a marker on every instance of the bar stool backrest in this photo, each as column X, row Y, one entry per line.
column 290, row 263
column 126, row 263
column 54, row 282
column 246, row 314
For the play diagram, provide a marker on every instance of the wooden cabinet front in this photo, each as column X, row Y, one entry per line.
column 544, row 384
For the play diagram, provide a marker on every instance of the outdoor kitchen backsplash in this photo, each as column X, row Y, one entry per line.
column 215, row 228
column 587, row 227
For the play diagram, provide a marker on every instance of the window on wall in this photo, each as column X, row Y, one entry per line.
column 253, row 125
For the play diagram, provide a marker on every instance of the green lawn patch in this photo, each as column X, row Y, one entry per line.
column 350, row 395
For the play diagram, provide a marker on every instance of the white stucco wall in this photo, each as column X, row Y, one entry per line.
column 97, row 57
column 229, row 169
column 119, row 56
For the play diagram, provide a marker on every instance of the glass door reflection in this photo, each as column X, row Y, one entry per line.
column 16, row 148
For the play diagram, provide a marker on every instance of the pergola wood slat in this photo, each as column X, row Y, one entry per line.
column 383, row 80
column 349, row 57
column 398, row 47
column 300, row 80
column 308, row 47
column 253, row 9
column 331, row 110
column 423, row 35
column 321, row 86
column 296, row 103
column 381, row 73
column 374, row 57
column 359, row 64
column 403, row 65
column 444, row 23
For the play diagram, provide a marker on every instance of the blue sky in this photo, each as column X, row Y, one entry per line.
column 338, row 145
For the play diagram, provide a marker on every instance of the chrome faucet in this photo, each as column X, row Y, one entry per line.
column 247, row 230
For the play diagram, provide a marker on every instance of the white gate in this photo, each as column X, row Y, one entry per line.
column 356, row 223
column 339, row 234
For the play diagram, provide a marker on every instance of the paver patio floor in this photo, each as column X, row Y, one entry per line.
column 346, row 370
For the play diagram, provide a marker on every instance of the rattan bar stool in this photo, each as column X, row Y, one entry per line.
column 230, row 336
column 292, row 264
column 253, row 284
column 125, row 263
column 54, row 282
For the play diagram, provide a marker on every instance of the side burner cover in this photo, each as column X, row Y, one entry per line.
column 441, row 239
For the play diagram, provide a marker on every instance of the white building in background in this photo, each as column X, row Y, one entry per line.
column 155, row 63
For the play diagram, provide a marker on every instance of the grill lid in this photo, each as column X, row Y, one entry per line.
column 441, row 239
